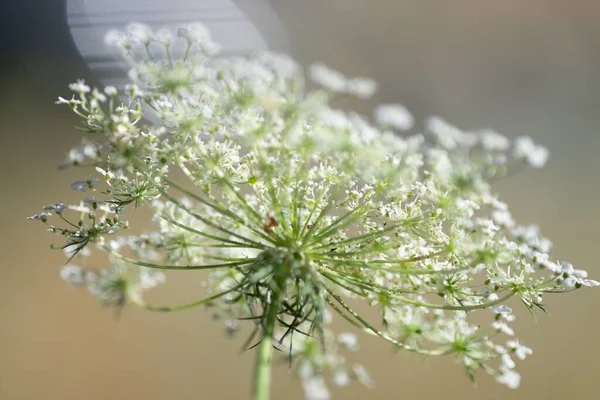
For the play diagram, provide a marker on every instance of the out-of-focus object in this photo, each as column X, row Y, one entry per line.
column 239, row 26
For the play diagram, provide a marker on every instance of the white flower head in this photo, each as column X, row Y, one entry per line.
column 297, row 210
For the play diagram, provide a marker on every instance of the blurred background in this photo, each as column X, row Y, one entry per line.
column 520, row 67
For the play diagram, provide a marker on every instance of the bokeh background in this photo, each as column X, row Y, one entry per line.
column 520, row 67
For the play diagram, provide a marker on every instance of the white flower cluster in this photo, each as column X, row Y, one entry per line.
column 294, row 207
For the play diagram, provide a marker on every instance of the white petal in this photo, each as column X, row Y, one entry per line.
column 509, row 378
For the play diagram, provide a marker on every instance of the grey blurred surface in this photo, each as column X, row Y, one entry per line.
column 521, row 67
column 239, row 26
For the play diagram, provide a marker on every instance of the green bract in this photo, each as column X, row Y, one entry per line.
column 294, row 207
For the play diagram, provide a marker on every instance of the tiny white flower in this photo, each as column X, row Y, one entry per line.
column 590, row 283
column 82, row 186
column 73, row 102
column 349, row 340
column 76, row 156
column 576, row 277
column 493, row 141
column 164, row 37
column 501, row 326
column 394, row 115
column 62, row 100
column 90, row 150
column 507, row 362
column 79, row 87
column 73, row 275
column 305, row 370
column 56, row 207
column 194, row 33
column 72, row 251
column 140, row 33
column 362, row 375
column 341, row 378
column 501, row 309
column 535, row 155
column 99, row 97
column 328, row 78
column 363, row 88
column 520, row 350
column 80, row 208
column 283, row 65
column 503, row 218
column 93, row 202
column 40, row 217
column 151, row 278
column 334, row 118
column 509, row 378
column 110, row 91
column 315, row 389
column 116, row 38
column 448, row 135
column 567, row 268
column 133, row 90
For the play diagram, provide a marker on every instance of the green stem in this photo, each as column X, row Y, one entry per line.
column 176, row 267
column 136, row 299
column 262, row 371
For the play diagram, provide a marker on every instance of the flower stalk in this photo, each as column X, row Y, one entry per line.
column 262, row 371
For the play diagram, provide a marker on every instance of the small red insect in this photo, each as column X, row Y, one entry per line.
column 272, row 224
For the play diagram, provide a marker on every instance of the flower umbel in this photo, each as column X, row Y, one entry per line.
column 294, row 207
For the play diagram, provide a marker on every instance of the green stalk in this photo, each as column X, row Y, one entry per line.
column 262, row 371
